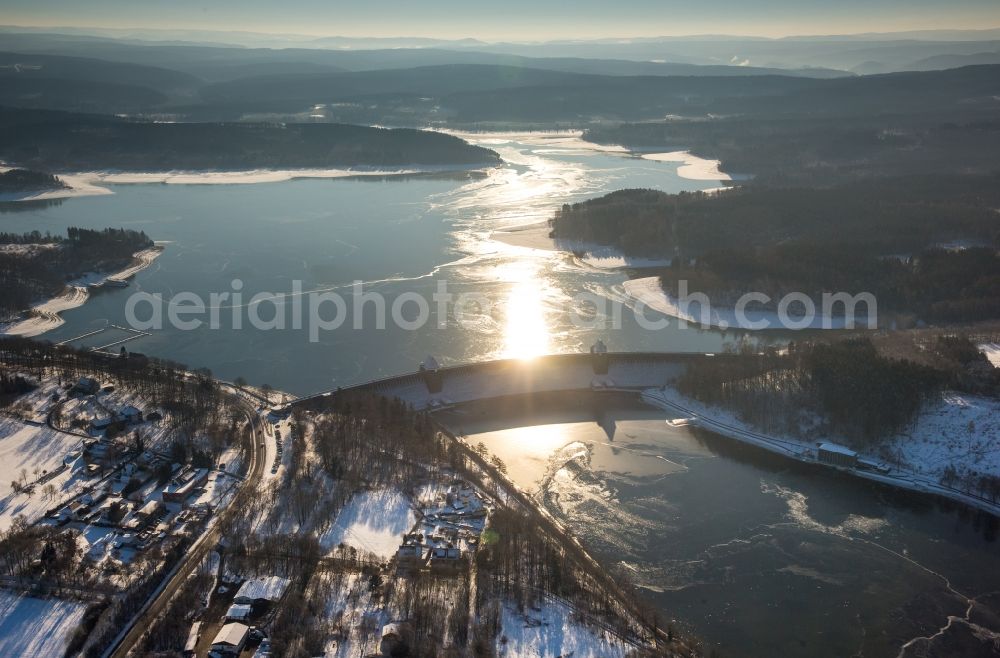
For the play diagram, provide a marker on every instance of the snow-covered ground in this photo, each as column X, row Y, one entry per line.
column 93, row 183
column 36, row 628
column 373, row 521
column 649, row 291
column 992, row 352
column 44, row 316
column 79, row 185
column 601, row 257
column 608, row 258
column 692, row 167
column 959, row 430
column 550, row 631
column 29, row 447
column 453, row 514
column 348, row 610
column 248, row 177
column 276, row 431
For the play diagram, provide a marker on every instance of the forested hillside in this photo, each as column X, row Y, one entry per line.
column 884, row 216
column 817, row 389
column 34, row 266
column 805, row 149
column 15, row 181
column 62, row 141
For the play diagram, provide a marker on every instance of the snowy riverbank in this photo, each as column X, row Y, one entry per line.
column 691, row 166
column 602, row 257
column 46, row 316
column 93, row 182
column 958, row 431
column 77, row 185
column 648, row 291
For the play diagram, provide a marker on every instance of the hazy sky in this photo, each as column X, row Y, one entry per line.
column 512, row 19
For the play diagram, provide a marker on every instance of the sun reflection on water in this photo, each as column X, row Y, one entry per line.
column 526, row 329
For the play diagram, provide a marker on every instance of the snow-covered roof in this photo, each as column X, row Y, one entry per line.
column 392, row 628
column 151, row 507
column 192, row 639
column 238, row 611
column 270, row 588
column 129, row 410
column 837, row 448
column 232, row 634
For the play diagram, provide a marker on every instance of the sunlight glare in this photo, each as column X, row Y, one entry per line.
column 526, row 332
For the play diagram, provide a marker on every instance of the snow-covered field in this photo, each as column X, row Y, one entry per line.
column 36, row 628
column 373, row 521
column 958, row 430
column 550, row 631
column 25, row 446
column 29, row 447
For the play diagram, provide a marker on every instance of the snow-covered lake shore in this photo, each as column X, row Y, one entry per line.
column 91, row 183
column 692, row 167
column 602, row 257
column 79, row 185
column 649, row 292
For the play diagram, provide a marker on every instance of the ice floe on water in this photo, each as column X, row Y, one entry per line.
column 590, row 502
column 798, row 511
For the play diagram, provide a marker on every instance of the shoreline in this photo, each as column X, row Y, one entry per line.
column 691, row 166
column 648, row 292
column 602, row 257
column 46, row 315
column 91, row 183
column 905, row 479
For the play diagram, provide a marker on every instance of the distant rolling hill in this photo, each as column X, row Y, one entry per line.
column 63, row 141
column 77, row 95
column 220, row 62
column 643, row 98
column 87, row 84
column 941, row 62
column 20, row 65
column 470, row 82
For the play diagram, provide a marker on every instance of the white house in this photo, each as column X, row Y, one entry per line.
column 230, row 639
